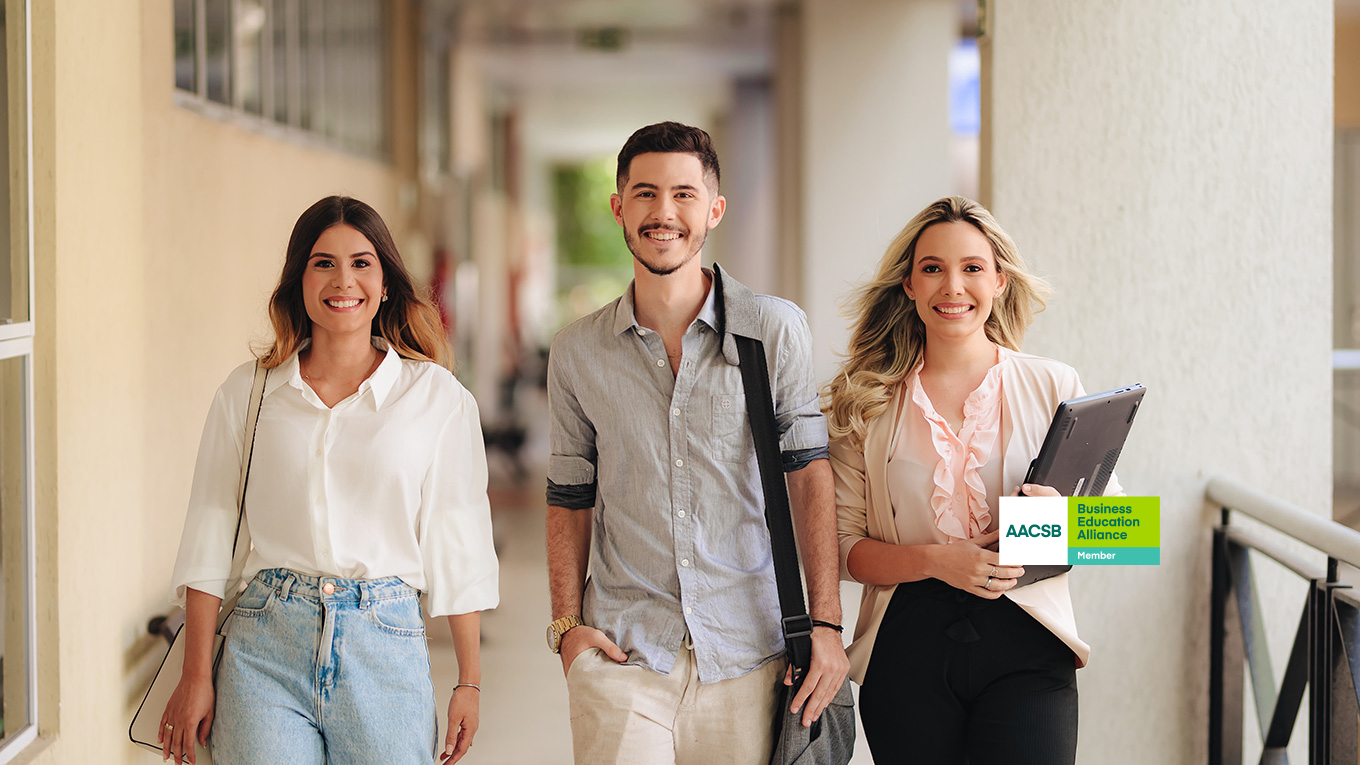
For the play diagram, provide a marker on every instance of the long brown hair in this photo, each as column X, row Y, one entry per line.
column 406, row 320
column 888, row 337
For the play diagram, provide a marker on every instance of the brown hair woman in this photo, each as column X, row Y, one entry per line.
column 367, row 488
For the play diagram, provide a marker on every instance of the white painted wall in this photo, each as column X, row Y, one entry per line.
column 1169, row 166
column 875, row 142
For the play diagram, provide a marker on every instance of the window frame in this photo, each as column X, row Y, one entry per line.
column 16, row 342
column 329, row 120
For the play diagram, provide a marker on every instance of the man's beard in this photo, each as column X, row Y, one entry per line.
column 632, row 240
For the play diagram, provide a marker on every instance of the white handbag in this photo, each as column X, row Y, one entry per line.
column 146, row 723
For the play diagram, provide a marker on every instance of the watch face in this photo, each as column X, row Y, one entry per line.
column 553, row 638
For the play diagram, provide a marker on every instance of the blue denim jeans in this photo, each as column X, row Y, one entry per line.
column 325, row 670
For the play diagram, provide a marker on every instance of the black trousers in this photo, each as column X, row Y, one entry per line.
column 955, row 678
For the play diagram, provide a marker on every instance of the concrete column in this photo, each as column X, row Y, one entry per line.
column 875, row 142
column 91, row 381
column 746, row 238
column 1168, row 165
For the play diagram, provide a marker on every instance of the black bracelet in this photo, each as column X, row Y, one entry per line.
column 832, row 625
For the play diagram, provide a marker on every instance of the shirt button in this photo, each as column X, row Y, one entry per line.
column 679, row 463
column 680, row 513
column 684, row 562
column 676, row 412
column 661, row 363
column 959, row 497
column 688, row 610
column 328, row 588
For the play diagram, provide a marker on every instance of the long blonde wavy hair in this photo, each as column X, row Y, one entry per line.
column 888, row 337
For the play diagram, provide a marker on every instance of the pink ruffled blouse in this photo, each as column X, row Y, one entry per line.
column 949, row 476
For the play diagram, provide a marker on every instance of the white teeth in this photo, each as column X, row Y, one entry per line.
column 661, row 236
column 343, row 303
column 953, row 309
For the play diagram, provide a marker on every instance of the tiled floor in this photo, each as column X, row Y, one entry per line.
column 524, row 697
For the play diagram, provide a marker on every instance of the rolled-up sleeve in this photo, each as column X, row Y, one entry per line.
column 852, row 515
column 571, row 437
column 204, row 559
column 797, row 406
column 461, row 571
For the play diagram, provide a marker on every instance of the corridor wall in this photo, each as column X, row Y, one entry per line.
column 159, row 232
column 1169, row 166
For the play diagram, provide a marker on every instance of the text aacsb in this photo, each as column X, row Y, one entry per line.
column 1035, row 530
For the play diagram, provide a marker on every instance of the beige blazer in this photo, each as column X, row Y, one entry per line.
column 1032, row 387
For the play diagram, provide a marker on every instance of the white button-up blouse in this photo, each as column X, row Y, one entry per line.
column 390, row 482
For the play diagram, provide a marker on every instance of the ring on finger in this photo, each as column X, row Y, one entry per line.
column 988, row 585
column 993, row 574
column 170, row 727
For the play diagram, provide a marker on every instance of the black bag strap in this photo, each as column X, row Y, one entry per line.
column 755, row 379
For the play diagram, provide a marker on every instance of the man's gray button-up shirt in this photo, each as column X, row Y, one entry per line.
column 679, row 541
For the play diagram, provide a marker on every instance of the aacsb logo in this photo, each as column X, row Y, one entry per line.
column 1033, row 530
column 1080, row 530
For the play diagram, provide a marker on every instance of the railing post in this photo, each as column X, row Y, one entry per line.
column 1226, row 656
column 1319, row 672
column 1320, row 659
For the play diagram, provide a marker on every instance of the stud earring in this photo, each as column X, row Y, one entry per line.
column 384, row 298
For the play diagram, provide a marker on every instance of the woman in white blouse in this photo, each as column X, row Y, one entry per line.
column 933, row 417
column 367, row 487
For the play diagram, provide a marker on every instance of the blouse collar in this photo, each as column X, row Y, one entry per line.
column 380, row 382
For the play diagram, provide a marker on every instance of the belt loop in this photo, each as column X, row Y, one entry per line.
column 287, row 587
column 364, row 594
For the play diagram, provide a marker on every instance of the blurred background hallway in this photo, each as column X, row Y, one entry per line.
column 1186, row 174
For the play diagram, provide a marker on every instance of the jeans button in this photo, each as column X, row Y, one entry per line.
column 329, row 588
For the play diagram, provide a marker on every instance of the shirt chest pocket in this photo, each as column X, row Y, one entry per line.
column 731, row 431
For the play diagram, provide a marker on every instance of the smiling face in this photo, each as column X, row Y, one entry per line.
column 953, row 281
column 666, row 208
column 343, row 283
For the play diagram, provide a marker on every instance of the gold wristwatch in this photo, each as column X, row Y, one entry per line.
column 559, row 628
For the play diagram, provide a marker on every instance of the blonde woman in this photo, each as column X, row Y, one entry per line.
column 935, row 415
column 367, row 487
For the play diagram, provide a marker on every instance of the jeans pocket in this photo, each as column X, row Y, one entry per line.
column 398, row 616
column 256, row 601
column 731, row 434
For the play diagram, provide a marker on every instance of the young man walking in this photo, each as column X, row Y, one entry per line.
column 672, row 648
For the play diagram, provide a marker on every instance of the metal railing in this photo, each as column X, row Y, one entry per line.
column 1325, row 658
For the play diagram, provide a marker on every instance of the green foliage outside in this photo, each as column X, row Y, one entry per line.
column 593, row 263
